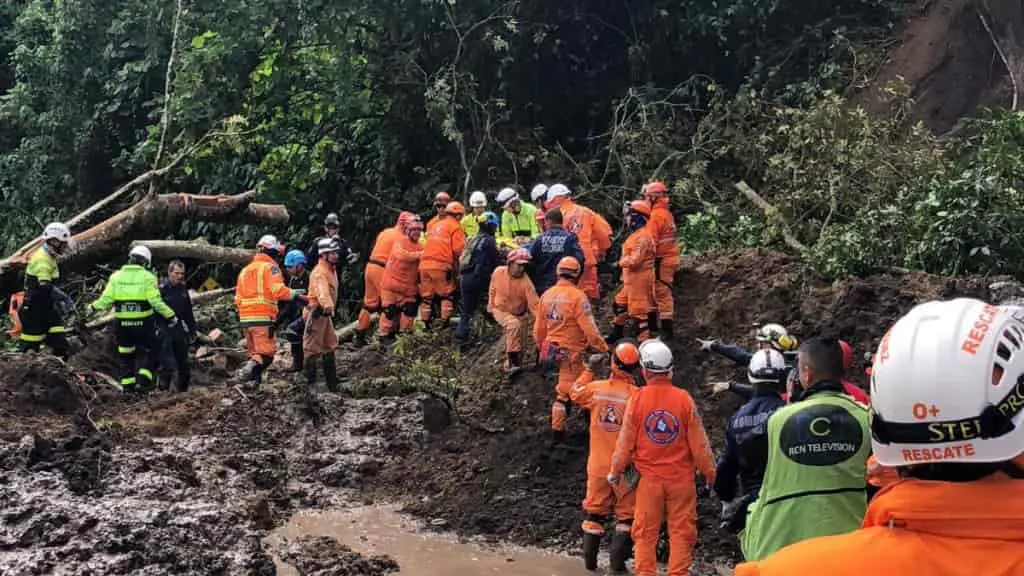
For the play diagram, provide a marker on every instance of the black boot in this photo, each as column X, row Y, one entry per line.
column 618, row 553
column 330, row 372
column 591, row 545
column 667, row 329
column 184, row 380
column 297, row 357
column 615, row 335
column 310, row 369
column 257, row 376
column 652, row 324
column 515, row 363
column 359, row 341
column 631, row 329
column 164, row 382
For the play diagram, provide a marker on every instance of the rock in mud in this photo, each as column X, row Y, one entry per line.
column 324, row 556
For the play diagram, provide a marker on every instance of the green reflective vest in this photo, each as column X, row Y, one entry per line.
column 522, row 224
column 814, row 484
column 42, row 268
column 470, row 225
column 134, row 294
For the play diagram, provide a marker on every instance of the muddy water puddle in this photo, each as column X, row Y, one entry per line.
column 382, row 530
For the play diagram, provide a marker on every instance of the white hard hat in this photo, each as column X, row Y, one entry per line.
column 539, row 192
column 558, row 190
column 326, row 245
column 269, row 242
column 947, row 385
column 766, row 367
column 771, row 333
column 141, row 252
column 655, row 356
column 477, row 200
column 57, row 231
column 505, row 196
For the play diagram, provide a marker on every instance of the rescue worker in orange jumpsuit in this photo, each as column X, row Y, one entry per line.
column 441, row 202
column 592, row 231
column 563, row 330
column 374, row 273
column 398, row 286
column 259, row 287
column 511, row 296
column 445, row 243
column 666, row 262
column 634, row 305
column 663, row 436
column 946, row 412
column 319, row 339
column 606, row 401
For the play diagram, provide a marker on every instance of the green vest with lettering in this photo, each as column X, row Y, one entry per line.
column 814, row 484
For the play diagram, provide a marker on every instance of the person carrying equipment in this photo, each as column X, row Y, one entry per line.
column 593, row 233
column 663, row 436
column 817, row 460
column 398, row 285
column 510, row 298
column 175, row 344
column 636, row 313
column 476, row 265
column 445, row 243
column 746, row 439
column 259, row 288
column 564, row 329
column 477, row 206
column 606, row 400
column 319, row 339
column 44, row 307
column 946, row 408
column 549, row 249
column 374, row 274
column 132, row 292
column 518, row 222
column 663, row 228
column 291, row 316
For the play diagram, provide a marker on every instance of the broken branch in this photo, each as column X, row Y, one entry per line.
column 773, row 215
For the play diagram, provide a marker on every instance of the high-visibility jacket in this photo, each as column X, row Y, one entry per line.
column 564, row 317
column 401, row 270
column 382, row 245
column 134, row 294
column 919, row 527
column 663, row 227
column 259, row 287
column 323, row 287
column 514, row 296
column 663, row 435
column 42, row 268
column 445, row 243
column 470, row 225
column 814, row 482
column 606, row 401
column 522, row 224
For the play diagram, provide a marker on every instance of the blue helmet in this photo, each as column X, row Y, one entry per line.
column 488, row 218
column 294, row 258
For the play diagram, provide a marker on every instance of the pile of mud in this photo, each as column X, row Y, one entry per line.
column 323, row 556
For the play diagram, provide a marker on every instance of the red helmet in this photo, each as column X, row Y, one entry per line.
column 518, row 255
column 442, row 199
column 569, row 267
column 626, row 356
column 403, row 219
column 640, row 207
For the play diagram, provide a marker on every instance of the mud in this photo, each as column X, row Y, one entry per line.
column 97, row 483
column 325, row 556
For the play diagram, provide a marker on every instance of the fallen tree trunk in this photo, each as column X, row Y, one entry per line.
column 198, row 249
column 197, row 299
column 773, row 215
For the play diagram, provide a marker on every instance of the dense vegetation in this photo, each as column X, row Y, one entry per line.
column 367, row 107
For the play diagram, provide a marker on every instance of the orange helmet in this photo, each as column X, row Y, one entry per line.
column 442, row 199
column 569, row 267
column 654, row 189
column 518, row 255
column 640, row 207
column 455, row 209
column 626, row 356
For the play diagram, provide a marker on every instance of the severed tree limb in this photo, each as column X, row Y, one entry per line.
column 773, row 215
column 196, row 297
column 198, row 249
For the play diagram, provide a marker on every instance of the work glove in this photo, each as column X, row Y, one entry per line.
column 595, row 361
column 352, row 257
column 298, row 292
column 719, row 387
column 706, row 344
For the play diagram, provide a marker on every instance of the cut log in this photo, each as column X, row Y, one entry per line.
column 197, row 299
column 197, row 249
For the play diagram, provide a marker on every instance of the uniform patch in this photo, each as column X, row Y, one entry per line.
column 611, row 417
column 662, row 427
column 821, row 435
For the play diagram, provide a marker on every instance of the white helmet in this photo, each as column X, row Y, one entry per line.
column 947, row 385
column 269, row 242
column 767, row 367
column 142, row 253
column 477, row 200
column 505, row 196
column 558, row 190
column 655, row 356
column 57, row 231
column 539, row 192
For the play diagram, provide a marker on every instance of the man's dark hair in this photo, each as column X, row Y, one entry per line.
column 553, row 216
column 175, row 265
column 824, row 357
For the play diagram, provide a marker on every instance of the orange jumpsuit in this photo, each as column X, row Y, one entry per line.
column 508, row 300
column 663, row 436
column 445, row 243
column 606, row 401
column 373, row 275
column 583, row 222
column 259, row 287
column 919, row 527
column 398, row 286
column 564, row 322
column 637, row 293
column 663, row 228
column 319, row 336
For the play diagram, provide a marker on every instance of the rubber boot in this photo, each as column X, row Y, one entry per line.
column 591, row 545
column 330, row 372
column 618, row 552
column 515, row 363
column 615, row 335
column 184, row 380
column 164, row 382
column 297, row 357
column 310, row 370
column 256, row 377
column 359, row 341
column 652, row 324
column 667, row 329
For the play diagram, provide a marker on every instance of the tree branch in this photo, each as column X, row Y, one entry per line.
column 773, row 215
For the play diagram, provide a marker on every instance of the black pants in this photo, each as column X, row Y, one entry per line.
column 42, row 324
column 174, row 357
column 139, row 350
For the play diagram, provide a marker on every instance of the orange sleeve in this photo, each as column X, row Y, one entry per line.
column 629, row 256
column 582, row 393
column 492, row 290
column 321, row 291
column 401, row 254
column 697, row 438
column 602, row 234
column 625, row 446
column 586, row 320
column 540, row 326
column 278, row 289
column 532, row 302
column 458, row 240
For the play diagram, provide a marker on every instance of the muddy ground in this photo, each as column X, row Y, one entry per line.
column 100, row 484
